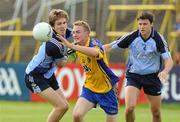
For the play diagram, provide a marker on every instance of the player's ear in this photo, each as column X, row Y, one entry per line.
column 152, row 24
column 88, row 33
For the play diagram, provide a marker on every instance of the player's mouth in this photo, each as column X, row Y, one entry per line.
column 62, row 32
column 142, row 31
column 76, row 40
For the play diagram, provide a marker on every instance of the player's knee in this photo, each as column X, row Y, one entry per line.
column 77, row 115
column 66, row 107
column 156, row 112
column 130, row 109
column 62, row 108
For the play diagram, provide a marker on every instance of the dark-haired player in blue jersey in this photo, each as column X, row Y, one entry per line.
column 100, row 80
column 39, row 74
column 147, row 50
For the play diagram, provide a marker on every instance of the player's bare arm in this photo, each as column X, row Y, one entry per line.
column 86, row 50
column 168, row 64
column 107, row 47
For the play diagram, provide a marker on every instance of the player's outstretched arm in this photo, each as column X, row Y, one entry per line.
column 107, row 47
column 86, row 50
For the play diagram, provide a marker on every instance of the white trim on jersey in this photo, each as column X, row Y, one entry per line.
column 164, row 42
column 114, row 44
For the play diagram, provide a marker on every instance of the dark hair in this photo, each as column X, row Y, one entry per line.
column 146, row 15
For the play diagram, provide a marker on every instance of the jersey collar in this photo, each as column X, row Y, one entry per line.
column 88, row 42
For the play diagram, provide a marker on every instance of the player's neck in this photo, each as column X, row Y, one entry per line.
column 146, row 36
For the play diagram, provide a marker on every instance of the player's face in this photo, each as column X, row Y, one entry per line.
column 80, row 35
column 144, row 27
column 60, row 26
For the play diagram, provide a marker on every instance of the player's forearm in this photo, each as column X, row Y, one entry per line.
column 107, row 47
column 168, row 64
column 86, row 50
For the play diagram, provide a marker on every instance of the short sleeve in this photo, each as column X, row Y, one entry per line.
column 125, row 41
column 54, row 51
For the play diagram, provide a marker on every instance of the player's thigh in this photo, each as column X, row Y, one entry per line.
column 155, row 101
column 131, row 95
column 82, row 106
column 52, row 97
column 59, row 91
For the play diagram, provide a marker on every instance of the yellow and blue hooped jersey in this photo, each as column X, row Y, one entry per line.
column 99, row 77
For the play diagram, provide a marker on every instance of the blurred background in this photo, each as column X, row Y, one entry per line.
column 109, row 20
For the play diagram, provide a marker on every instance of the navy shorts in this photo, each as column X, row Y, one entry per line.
column 107, row 101
column 150, row 83
column 37, row 83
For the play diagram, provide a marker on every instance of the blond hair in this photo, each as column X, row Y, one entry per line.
column 55, row 14
column 84, row 24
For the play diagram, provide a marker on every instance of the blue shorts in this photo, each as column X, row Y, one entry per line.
column 107, row 101
column 37, row 83
column 150, row 83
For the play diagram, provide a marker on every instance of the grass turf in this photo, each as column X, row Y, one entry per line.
column 11, row 111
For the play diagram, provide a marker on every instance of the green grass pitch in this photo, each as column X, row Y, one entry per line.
column 37, row 112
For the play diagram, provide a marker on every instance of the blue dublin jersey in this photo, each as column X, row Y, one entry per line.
column 145, row 56
column 50, row 52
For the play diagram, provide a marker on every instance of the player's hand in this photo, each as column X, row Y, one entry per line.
column 65, row 42
column 116, row 91
column 163, row 76
column 70, row 51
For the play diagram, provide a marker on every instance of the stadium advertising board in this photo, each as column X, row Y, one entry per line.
column 72, row 76
column 71, row 79
column 12, row 86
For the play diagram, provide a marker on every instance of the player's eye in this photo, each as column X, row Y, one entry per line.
column 64, row 22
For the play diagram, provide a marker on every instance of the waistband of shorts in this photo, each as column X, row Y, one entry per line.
column 151, row 74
